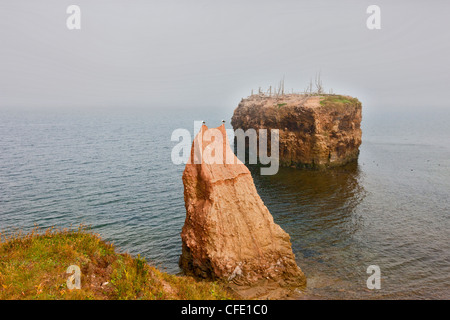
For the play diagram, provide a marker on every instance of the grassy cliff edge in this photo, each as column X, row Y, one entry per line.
column 34, row 265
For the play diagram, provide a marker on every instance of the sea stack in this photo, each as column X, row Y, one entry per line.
column 229, row 233
column 315, row 131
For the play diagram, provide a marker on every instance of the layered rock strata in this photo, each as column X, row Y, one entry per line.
column 314, row 131
column 229, row 233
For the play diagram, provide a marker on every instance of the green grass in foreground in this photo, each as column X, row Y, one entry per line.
column 33, row 266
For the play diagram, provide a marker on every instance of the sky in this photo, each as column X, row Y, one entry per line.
column 210, row 54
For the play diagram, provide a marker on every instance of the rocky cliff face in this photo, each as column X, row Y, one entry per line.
column 229, row 233
column 314, row 131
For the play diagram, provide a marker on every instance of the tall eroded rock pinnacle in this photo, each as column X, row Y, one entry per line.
column 229, row 233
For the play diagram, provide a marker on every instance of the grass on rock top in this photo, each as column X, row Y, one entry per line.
column 33, row 266
column 338, row 101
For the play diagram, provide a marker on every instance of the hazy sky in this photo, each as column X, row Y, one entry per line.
column 161, row 54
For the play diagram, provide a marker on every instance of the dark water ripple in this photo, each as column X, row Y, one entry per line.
column 112, row 170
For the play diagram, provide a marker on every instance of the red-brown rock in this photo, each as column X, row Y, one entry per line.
column 229, row 233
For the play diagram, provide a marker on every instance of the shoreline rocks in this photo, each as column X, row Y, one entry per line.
column 229, row 233
column 314, row 131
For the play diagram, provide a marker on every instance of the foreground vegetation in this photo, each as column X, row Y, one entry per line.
column 34, row 265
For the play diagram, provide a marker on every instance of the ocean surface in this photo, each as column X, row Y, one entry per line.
column 112, row 170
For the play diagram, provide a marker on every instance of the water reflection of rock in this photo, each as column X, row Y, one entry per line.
column 309, row 201
column 318, row 210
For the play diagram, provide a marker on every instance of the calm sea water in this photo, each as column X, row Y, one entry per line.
column 111, row 169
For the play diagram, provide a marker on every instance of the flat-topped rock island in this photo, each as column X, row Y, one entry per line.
column 315, row 131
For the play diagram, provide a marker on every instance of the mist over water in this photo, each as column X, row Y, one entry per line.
column 113, row 170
